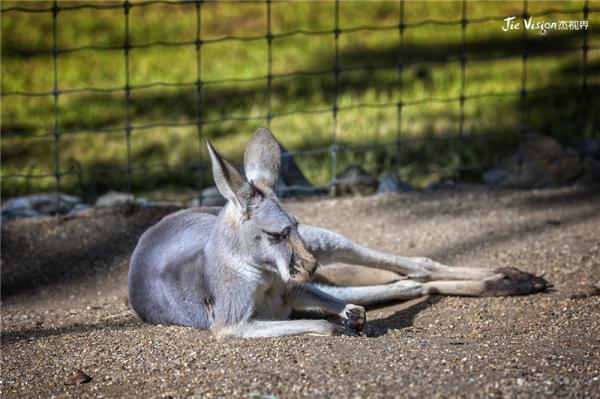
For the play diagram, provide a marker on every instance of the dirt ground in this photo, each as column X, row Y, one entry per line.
column 64, row 307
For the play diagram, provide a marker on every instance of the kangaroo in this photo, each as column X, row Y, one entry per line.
column 243, row 271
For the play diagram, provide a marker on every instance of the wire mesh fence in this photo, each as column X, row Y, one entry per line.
column 397, row 61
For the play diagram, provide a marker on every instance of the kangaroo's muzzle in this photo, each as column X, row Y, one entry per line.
column 303, row 264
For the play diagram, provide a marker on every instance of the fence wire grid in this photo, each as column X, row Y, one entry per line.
column 198, row 84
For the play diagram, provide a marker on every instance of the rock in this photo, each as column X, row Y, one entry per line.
column 19, row 213
column 147, row 202
column 114, row 198
column 444, row 184
column 591, row 171
column 37, row 205
column 297, row 190
column 291, row 181
column 589, row 147
column 540, row 161
column 354, row 180
column 211, row 196
column 494, row 176
column 79, row 208
column 390, row 183
column 78, row 377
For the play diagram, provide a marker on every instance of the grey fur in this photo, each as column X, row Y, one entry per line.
column 229, row 181
column 262, row 160
column 243, row 271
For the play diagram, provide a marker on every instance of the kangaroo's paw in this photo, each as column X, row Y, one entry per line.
column 354, row 318
column 511, row 281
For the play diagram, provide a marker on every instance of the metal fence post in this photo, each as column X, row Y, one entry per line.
column 198, row 104
column 128, row 128
column 55, row 93
column 336, row 73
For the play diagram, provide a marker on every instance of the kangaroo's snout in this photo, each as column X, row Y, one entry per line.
column 303, row 264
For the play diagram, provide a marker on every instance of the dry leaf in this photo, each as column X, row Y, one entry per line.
column 78, row 377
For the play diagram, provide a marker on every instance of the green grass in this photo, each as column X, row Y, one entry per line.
column 88, row 156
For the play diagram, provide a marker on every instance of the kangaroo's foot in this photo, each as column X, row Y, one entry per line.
column 511, row 281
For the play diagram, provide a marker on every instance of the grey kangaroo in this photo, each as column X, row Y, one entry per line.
column 243, row 271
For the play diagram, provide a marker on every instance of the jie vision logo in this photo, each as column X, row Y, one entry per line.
column 512, row 23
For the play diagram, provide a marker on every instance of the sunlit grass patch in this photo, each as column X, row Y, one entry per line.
column 27, row 115
column 27, row 74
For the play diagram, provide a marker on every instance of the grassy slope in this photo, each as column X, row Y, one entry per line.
column 89, row 155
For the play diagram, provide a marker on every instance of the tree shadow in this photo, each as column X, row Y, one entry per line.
column 516, row 232
column 219, row 100
column 503, row 46
column 11, row 337
column 67, row 250
column 430, row 204
column 543, row 199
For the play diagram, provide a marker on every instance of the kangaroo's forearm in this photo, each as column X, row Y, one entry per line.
column 308, row 298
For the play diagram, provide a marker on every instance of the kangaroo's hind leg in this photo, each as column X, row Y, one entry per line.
column 496, row 285
column 330, row 247
column 372, row 294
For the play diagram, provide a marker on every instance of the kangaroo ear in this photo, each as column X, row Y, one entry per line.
column 262, row 159
column 229, row 181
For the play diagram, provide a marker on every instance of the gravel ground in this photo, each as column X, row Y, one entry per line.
column 64, row 307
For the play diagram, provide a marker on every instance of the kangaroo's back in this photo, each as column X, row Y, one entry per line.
column 167, row 281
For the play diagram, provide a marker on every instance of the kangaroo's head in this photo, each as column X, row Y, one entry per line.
column 254, row 223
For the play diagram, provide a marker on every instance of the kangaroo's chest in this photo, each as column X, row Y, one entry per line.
column 270, row 300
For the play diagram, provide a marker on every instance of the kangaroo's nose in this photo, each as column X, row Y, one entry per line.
column 310, row 265
column 304, row 270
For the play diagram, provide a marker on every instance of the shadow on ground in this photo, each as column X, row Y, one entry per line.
column 44, row 253
column 65, row 251
column 11, row 337
column 397, row 316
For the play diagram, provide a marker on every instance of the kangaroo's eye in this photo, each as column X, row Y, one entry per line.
column 278, row 237
column 274, row 237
